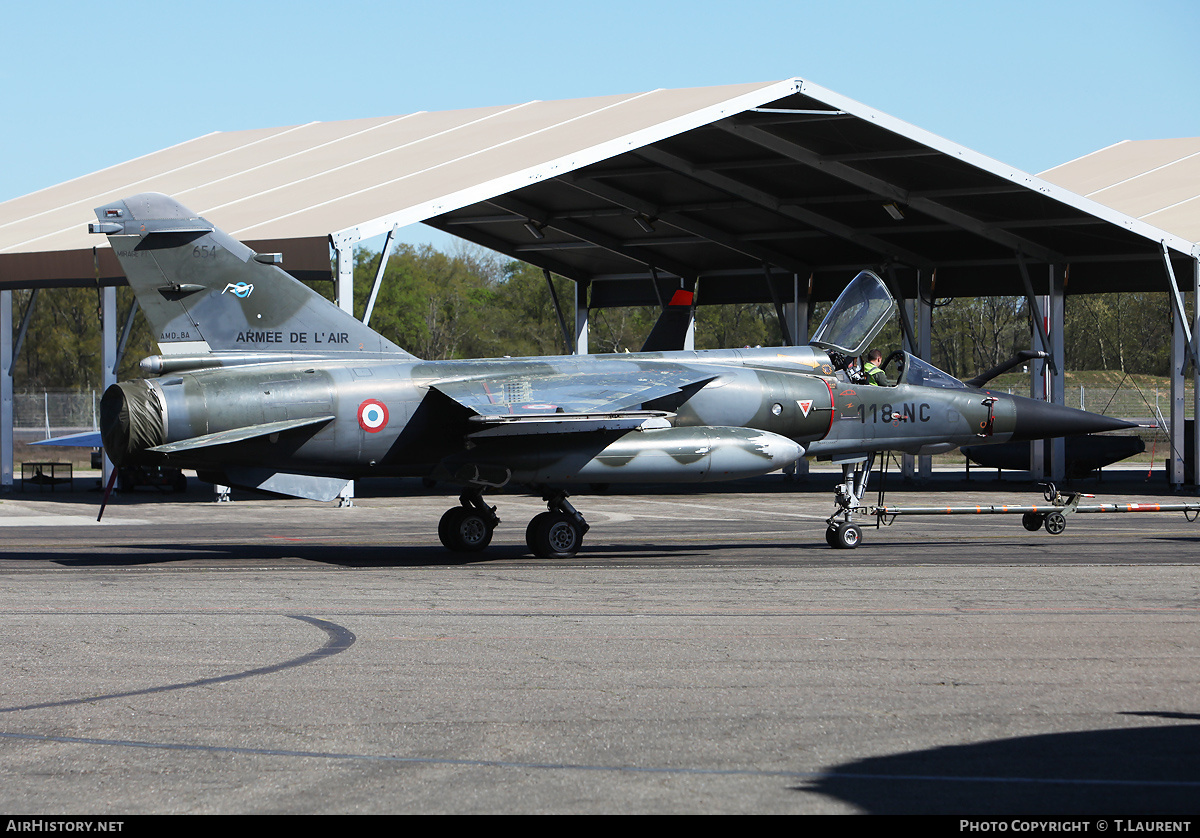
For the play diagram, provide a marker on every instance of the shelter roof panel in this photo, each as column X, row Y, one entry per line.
column 1119, row 162
column 1156, row 181
column 712, row 182
column 1156, row 189
column 1183, row 217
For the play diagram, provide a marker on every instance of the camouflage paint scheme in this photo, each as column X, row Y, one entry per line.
column 262, row 383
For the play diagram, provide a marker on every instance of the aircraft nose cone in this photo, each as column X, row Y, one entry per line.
column 1036, row 419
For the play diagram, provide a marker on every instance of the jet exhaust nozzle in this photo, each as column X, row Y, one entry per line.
column 131, row 420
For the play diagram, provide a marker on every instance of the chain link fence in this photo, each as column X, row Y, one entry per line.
column 52, row 413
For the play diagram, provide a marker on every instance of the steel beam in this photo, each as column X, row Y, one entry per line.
column 580, row 231
column 776, row 204
column 537, row 259
column 885, row 189
column 689, row 225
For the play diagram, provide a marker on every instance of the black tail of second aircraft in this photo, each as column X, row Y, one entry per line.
column 670, row 330
column 205, row 292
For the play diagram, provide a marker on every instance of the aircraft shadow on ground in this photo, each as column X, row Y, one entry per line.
column 383, row 556
column 1014, row 485
column 1126, row 772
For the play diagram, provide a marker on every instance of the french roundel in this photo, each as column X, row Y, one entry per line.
column 372, row 416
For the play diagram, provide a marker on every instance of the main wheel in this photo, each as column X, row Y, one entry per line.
column 1031, row 521
column 532, row 529
column 847, row 536
column 554, row 535
column 464, row 530
column 1056, row 522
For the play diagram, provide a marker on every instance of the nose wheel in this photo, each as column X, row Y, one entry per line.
column 843, row 536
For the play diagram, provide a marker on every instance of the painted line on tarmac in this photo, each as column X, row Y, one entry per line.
column 63, row 521
column 339, row 639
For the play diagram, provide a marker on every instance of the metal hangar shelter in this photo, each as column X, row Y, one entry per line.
column 775, row 192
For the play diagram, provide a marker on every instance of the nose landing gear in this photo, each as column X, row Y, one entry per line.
column 841, row 532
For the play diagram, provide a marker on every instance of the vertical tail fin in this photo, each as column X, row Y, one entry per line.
column 670, row 330
column 203, row 291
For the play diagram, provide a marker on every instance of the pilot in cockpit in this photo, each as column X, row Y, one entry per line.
column 873, row 371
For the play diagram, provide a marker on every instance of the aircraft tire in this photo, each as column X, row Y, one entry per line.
column 1056, row 522
column 1031, row 521
column 831, row 536
column 847, row 536
column 554, row 535
column 531, row 531
column 463, row 530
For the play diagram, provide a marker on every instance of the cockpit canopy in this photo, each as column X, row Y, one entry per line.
column 925, row 374
column 856, row 317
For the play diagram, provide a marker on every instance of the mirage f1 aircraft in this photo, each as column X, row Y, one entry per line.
column 263, row 384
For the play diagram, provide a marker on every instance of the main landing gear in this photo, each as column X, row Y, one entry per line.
column 554, row 534
column 558, row 532
column 841, row 532
column 468, row 528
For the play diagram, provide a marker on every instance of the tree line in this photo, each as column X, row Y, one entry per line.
column 474, row 303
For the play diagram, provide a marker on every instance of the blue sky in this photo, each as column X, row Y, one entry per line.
column 1033, row 84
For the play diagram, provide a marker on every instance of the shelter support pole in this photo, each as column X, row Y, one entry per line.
column 906, row 328
column 581, row 318
column 558, row 310
column 925, row 353
column 1038, row 388
column 908, row 462
column 6, row 392
column 343, row 293
column 1196, row 376
column 383, row 260
column 796, row 314
column 1175, row 466
column 1057, row 389
column 779, row 313
column 125, row 330
column 343, row 247
column 108, row 351
column 1182, row 350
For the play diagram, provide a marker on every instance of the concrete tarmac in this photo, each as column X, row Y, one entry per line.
column 706, row 652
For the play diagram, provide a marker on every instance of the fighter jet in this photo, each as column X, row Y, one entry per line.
column 263, row 384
